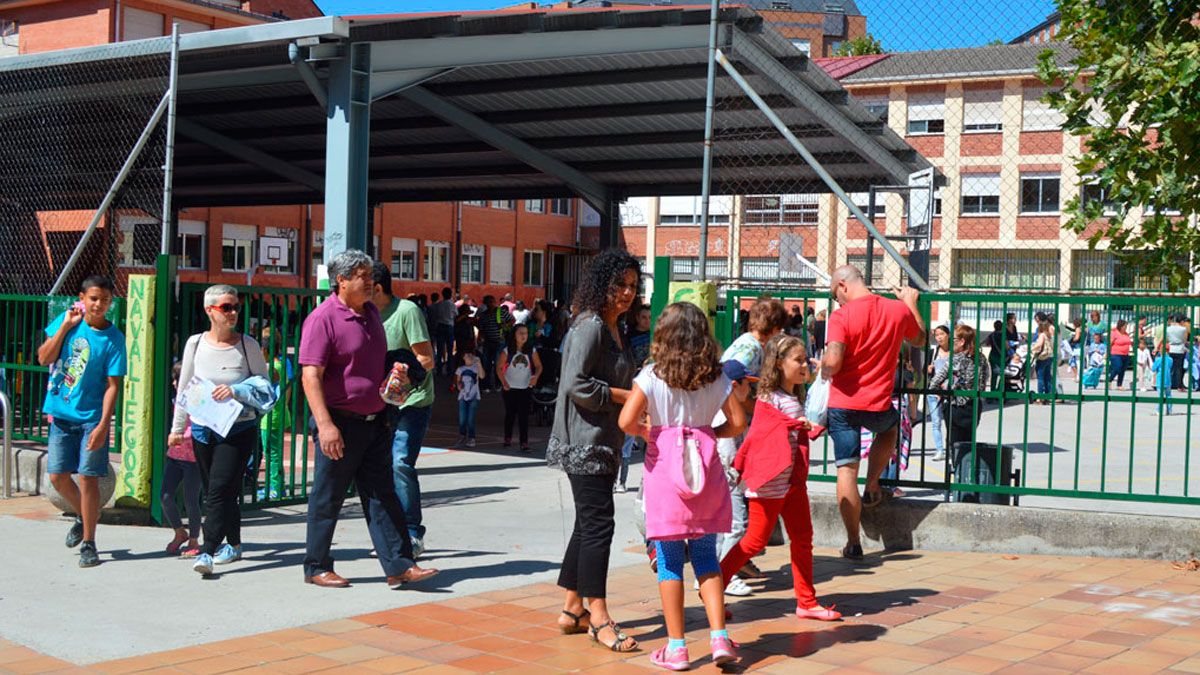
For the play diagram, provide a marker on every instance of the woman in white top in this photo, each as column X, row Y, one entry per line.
column 519, row 367
column 226, row 358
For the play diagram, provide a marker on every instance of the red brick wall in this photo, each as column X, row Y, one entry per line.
column 65, row 24
column 1041, row 142
column 928, row 146
column 978, row 228
column 292, row 9
column 980, row 145
column 1038, row 227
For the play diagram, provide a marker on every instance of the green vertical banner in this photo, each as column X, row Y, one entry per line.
column 133, row 483
column 702, row 294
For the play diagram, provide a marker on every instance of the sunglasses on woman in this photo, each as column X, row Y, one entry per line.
column 225, row 307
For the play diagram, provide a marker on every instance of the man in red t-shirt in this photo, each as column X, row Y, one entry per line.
column 862, row 349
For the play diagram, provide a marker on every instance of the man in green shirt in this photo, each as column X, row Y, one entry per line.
column 404, row 324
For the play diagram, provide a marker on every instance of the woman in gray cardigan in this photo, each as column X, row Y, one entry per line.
column 585, row 442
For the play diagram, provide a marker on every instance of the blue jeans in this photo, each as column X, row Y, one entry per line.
column 1045, row 372
column 935, row 422
column 1117, row 365
column 466, row 417
column 411, row 425
column 67, row 450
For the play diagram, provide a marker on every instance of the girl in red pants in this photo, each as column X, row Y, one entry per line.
column 773, row 462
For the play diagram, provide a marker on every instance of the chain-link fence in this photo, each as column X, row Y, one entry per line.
column 961, row 85
column 66, row 134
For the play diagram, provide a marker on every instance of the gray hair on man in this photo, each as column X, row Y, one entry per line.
column 214, row 293
column 346, row 263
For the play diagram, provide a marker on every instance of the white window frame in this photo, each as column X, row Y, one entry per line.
column 191, row 230
column 402, row 248
column 535, row 205
column 982, row 111
column 979, row 186
column 533, row 260
column 128, row 249
column 471, row 266
column 862, row 201
column 926, row 114
column 481, row 203
column 500, row 265
column 238, row 237
column 504, row 204
column 317, row 250
column 1040, row 177
column 1038, row 116
column 560, row 206
column 10, row 37
column 439, row 264
column 802, row 45
column 794, row 209
column 875, row 105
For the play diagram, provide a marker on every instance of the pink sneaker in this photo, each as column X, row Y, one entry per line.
column 724, row 650
column 819, row 613
column 671, row 659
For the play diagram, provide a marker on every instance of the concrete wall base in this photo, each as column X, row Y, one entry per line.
column 29, row 470
column 947, row 526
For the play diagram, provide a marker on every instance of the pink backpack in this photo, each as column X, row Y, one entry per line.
column 684, row 491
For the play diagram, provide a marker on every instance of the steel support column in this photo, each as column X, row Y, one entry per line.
column 347, row 151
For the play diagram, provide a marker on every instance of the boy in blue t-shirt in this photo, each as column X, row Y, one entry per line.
column 86, row 353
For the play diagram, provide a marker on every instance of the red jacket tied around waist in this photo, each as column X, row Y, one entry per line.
column 767, row 450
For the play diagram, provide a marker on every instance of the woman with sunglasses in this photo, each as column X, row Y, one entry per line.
column 226, row 358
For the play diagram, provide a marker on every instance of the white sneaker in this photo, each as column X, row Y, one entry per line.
column 470, row 442
column 939, row 457
column 418, row 547
column 738, row 587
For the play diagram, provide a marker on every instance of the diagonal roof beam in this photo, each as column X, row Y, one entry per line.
column 252, row 155
column 595, row 193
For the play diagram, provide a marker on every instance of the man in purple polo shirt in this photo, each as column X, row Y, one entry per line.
column 342, row 355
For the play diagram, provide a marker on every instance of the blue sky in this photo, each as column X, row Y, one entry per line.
column 902, row 25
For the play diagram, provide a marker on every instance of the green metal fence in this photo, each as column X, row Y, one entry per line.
column 273, row 316
column 23, row 319
column 1074, row 441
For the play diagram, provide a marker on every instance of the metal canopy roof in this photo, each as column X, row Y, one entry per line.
column 615, row 95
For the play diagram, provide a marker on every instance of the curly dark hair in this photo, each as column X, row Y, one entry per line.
column 604, row 271
column 684, row 353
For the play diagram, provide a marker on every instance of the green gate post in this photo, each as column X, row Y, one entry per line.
column 662, row 287
column 164, row 329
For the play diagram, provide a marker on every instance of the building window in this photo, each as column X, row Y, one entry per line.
column 1005, row 268
column 140, row 241
column 192, row 238
column 927, row 113
column 981, row 194
column 535, row 205
column 277, row 250
column 1039, row 116
column 863, row 201
column 506, row 204
column 318, row 250
column 1039, row 193
column 404, row 258
column 876, row 105
column 768, row 269
column 237, row 247
column 532, row 274
column 782, row 5
column 500, row 267
column 436, row 262
column 138, row 24
column 10, row 38
column 560, row 207
column 1102, row 271
column 860, row 261
column 781, row 209
column 1092, row 193
column 803, row 45
column 476, row 202
column 691, row 219
column 686, row 269
column 471, row 267
column 981, row 110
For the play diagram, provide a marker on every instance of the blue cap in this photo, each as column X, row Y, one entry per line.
column 734, row 370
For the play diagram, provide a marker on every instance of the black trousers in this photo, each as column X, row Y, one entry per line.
column 585, row 564
column 961, row 421
column 1177, row 370
column 367, row 462
column 222, row 464
column 516, row 408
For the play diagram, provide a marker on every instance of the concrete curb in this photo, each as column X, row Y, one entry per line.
column 902, row 524
column 29, row 469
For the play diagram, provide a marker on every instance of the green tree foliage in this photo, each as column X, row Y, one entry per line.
column 1133, row 93
column 859, row 46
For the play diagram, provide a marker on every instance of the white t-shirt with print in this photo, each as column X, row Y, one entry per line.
column 677, row 407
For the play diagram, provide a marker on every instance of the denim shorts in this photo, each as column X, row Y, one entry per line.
column 68, row 453
column 845, row 428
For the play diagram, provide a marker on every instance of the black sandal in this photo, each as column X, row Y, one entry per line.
column 872, row 499
column 618, row 644
column 852, row 552
column 574, row 628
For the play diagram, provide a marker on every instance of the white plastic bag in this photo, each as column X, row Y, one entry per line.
column 816, row 403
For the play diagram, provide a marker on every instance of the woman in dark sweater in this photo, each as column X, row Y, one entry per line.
column 585, row 441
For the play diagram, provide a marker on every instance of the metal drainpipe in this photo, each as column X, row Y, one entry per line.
column 455, row 276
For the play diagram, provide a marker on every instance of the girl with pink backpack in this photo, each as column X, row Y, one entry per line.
column 684, row 489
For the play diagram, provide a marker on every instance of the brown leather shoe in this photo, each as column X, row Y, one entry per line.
column 411, row 575
column 327, row 580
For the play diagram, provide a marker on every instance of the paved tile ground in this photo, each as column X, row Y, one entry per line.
column 915, row 611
